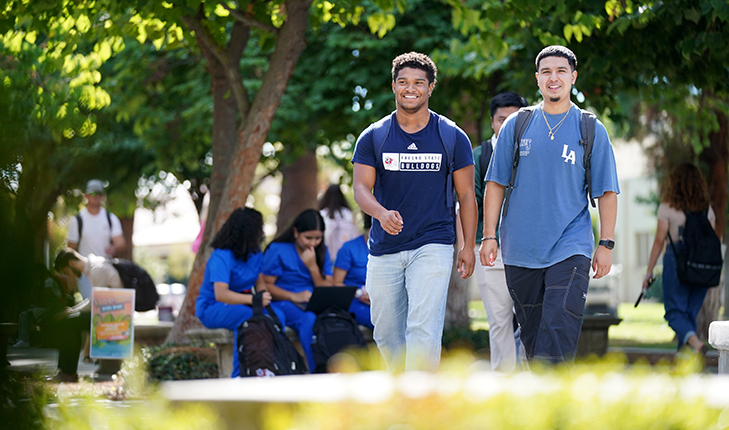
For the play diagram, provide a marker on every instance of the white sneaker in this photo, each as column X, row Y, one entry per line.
column 21, row 344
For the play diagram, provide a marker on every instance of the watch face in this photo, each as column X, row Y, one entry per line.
column 609, row 244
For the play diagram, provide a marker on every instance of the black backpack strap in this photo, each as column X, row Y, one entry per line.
column 447, row 133
column 587, row 129
column 522, row 121
column 485, row 159
column 80, row 224
column 257, row 306
column 380, row 131
column 108, row 219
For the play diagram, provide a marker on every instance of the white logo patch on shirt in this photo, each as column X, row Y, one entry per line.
column 525, row 147
column 413, row 147
column 412, row 162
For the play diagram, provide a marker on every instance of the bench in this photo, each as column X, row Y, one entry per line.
column 224, row 342
column 151, row 334
column 594, row 337
column 719, row 339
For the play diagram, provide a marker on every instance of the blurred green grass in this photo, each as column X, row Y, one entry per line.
column 642, row 327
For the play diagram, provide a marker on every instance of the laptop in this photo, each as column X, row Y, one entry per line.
column 324, row 297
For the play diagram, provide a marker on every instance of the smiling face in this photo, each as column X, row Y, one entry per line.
column 412, row 89
column 555, row 78
column 308, row 239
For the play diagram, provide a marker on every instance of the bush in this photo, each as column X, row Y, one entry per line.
column 465, row 338
column 173, row 363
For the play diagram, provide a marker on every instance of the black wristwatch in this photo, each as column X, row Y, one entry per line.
column 607, row 243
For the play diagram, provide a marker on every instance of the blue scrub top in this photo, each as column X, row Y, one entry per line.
column 222, row 266
column 283, row 261
column 353, row 257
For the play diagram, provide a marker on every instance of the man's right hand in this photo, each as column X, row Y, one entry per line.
column 391, row 222
column 487, row 252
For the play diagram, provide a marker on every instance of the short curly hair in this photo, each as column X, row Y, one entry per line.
column 242, row 233
column 415, row 60
column 557, row 51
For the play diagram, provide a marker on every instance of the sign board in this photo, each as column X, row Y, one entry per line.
column 112, row 323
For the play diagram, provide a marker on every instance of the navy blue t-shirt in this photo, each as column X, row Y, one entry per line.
column 411, row 179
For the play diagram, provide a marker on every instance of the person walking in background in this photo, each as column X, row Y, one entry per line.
column 338, row 219
column 405, row 168
column 95, row 230
column 293, row 264
column 545, row 229
column 350, row 268
column 232, row 272
column 686, row 191
column 491, row 279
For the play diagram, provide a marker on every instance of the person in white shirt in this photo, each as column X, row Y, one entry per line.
column 100, row 232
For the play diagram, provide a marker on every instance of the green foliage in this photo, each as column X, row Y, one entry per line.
column 173, row 363
column 21, row 402
column 465, row 338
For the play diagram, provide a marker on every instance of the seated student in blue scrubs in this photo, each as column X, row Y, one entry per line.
column 350, row 269
column 293, row 263
column 232, row 270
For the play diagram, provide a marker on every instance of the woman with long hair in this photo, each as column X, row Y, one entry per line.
column 293, row 263
column 686, row 191
column 232, row 272
column 338, row 219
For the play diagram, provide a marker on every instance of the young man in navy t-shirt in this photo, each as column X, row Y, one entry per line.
column 402, row 182
column 546, row 236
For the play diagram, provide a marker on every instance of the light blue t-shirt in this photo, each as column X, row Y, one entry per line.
column 222, row 266
column 282, row 260
column 353, row 257
column 411, row 179
column 548, row 219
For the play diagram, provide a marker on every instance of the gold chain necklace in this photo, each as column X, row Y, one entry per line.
column 554, row 129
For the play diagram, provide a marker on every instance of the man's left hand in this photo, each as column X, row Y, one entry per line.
column 466, row 262
column 602, row 262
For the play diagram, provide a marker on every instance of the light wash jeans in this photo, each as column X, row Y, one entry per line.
column 408, row 292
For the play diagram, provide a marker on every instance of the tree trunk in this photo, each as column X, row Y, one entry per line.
column 127, row 224
column 717, row 156
column 457, row 303
column 298, row 189
column 232, row 175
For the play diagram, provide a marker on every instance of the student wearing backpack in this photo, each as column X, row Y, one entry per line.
column 686, row 191
column 232, row 271
column 546, row 236
column 293, row 264
column 491, row 279
column 406, row 167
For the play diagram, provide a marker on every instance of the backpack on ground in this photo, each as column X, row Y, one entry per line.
column 263, row 348
column 587, row 131
column 135, row 277
column 446, row 131
column 699, row 264
column 334, row 330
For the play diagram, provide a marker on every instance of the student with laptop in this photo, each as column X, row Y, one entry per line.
column 293, row 264
column 350, row 268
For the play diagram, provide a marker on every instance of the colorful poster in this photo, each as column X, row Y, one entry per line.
column 112, row 323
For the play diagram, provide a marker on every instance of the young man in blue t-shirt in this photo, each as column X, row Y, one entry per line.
column 546, row 237
column 402, row 182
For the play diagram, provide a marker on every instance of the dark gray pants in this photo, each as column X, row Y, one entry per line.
column 549, row 305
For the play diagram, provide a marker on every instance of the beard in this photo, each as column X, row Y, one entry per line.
column 555, row 99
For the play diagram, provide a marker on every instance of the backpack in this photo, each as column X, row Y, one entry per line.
column 263, row 348
column 483, row 162
column 133, row 276
column 334, row 330
column 699, row 264
column 587, row 130
column 446, row 131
